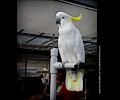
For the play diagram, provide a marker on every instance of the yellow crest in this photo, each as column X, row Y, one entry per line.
column 76, row 19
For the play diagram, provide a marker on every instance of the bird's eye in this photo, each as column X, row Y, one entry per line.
column 63, row 17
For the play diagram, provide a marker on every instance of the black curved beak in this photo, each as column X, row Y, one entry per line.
column 58, row 21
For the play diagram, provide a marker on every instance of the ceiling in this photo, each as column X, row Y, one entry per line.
column 36, row 27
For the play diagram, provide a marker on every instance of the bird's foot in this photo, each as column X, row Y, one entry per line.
column 63, row 64
column 76, row 66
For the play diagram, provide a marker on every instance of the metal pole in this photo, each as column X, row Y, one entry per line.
column 87, row 65
column 53, row 71
column 58, row 65
column 25, row 65
column 85, row 89
column 54, row 65
column 53, row 40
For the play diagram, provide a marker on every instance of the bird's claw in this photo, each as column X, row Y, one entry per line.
column 76, row 66
column 63, row 64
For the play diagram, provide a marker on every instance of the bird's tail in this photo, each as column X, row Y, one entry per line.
column 74, row 85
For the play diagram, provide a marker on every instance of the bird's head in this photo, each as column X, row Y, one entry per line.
column 62, row 18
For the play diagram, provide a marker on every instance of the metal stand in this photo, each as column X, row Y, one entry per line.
column 54, row 65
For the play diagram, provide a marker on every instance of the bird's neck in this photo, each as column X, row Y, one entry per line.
column 65, row 29
column 66, row 25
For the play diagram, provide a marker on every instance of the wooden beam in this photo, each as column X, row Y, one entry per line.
column 35, row 35
column 46, row 41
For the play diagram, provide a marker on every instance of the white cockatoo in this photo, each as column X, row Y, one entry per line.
column 71, row 49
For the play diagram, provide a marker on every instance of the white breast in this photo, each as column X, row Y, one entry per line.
column 68, row 45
